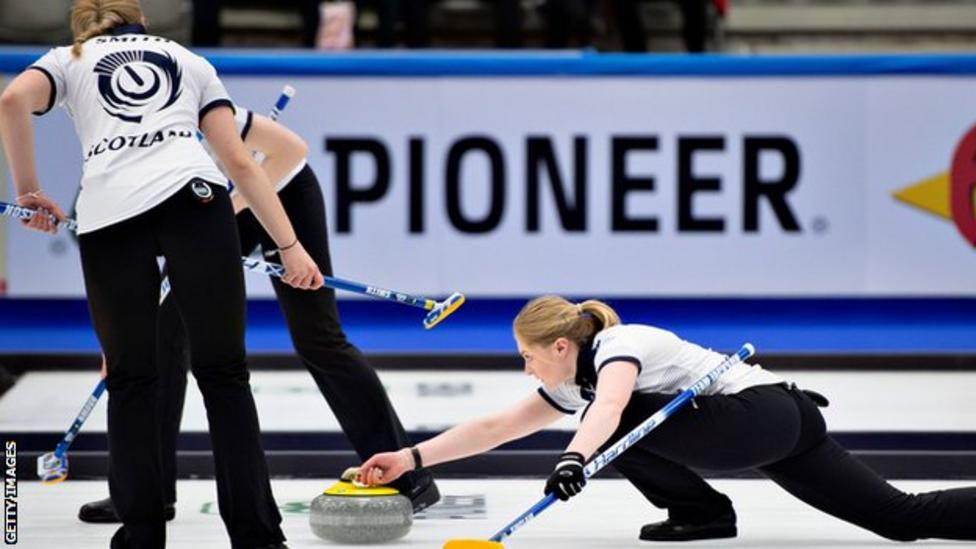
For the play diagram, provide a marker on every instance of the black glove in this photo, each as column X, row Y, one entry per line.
column 567, row 479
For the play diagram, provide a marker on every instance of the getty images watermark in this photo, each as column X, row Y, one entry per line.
column 10, row 493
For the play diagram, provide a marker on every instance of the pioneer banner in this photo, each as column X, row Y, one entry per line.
column 841, row 183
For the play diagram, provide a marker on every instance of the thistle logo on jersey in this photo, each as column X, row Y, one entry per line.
column 132, row 84
column 950, row 195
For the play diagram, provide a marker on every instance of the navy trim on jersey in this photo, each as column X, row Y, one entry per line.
column 54, row 90
column 545, row 396
column 247, row 125
column 214, row 104
column 127, row 28
column 585, row 372
column 622, row 358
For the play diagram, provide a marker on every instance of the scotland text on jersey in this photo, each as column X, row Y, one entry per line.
column 141, row 141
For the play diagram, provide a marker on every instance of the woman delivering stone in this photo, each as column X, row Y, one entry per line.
column 748, row 418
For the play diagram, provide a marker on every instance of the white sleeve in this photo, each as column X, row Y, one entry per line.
column 212, row 91
column 565, row 398
column 50, row 65
column 617, row 344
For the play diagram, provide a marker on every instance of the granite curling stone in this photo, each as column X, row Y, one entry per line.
column 351, row 513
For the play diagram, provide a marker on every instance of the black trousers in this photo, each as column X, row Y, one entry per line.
column 201, row 247
column 780, row 432
column 347, row 381
column 629, row 22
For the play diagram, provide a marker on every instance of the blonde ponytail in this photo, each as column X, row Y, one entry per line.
column 547, row 318
column 91, row 18
column 603, row 313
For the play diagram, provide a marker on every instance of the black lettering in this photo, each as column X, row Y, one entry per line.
column 100, row 148
column 623, row 183
column 539, row 156
column 416, row 200
column 132, row 140
column 346, row 195
column 689, row 184
column 774, row 190
column 116, row 143
column 453, row 180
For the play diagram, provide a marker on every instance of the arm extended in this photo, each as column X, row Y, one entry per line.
column 467, row 439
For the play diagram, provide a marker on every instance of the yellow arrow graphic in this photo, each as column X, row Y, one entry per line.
column 930, row 195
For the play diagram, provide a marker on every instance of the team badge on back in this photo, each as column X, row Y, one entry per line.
column 132, row 84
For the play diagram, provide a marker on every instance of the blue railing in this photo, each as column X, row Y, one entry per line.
column 811, row 325
column 572, row 63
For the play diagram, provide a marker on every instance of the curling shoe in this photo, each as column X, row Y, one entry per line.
column 672, row 530
column 103, row 512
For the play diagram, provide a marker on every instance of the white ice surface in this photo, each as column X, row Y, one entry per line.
column 608, row 514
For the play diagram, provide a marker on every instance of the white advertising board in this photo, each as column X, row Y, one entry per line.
column 610, row 186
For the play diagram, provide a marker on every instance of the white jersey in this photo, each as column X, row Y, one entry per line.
column 666, row 364
column 244, row 118
column 136, row 101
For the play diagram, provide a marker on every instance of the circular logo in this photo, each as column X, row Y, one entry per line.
column 132, row 84
column 203, row 191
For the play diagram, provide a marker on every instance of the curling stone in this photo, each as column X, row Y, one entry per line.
column 351, row 513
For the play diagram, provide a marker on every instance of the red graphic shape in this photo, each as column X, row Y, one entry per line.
column 962, row 191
